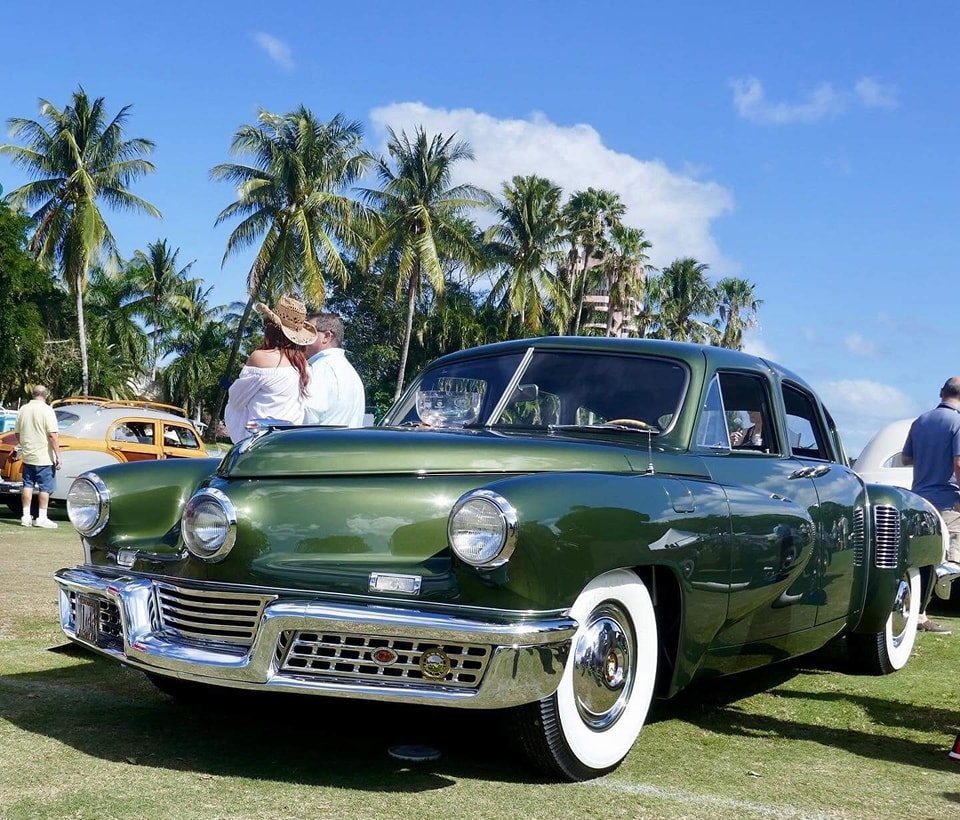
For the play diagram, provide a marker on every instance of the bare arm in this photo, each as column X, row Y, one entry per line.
column 54, row 439
column 908, row 460
column 956, row 468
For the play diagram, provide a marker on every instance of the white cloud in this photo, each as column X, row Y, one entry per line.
column 861, row 407
column 875, row 95
column 675, row 209
column 860, row 346
column 276, row 49
column 750, row 100
column 754, row 344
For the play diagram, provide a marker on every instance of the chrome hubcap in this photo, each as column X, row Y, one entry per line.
column 901, row 612
column 603, row 670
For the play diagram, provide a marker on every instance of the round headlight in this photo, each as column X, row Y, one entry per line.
column 88, row 504
column 209, row 525
column 482, row 529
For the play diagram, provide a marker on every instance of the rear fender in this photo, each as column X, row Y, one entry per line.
column 901, row 530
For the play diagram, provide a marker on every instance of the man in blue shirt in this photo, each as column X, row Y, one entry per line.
column 933, row 448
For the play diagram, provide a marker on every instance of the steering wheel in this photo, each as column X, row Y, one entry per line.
column 632, row 424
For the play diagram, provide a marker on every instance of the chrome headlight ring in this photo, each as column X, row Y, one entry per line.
column 494, row 519
column 102, row 499
column 215, row 546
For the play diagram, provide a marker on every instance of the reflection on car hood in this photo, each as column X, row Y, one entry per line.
column 319, row 451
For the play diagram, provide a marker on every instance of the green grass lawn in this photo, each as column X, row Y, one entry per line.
column 81, row 737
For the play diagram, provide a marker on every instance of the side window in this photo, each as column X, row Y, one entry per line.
column 805, row 433
column 176, row 436
column 750, row 419
column 134, row 432
column 712, row 429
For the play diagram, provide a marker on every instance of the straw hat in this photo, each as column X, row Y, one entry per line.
column 290, row 316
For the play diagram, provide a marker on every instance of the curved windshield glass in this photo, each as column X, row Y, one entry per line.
column 551, row 389
column 66, row 419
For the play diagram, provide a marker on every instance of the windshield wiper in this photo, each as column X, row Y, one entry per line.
column 613, row 426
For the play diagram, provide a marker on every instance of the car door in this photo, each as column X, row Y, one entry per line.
column 133, row 439
column 842, row 498
column 179, row 441
column 774, row 586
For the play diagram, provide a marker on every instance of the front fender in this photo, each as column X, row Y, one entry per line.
column 146, row 501
column 901, row 530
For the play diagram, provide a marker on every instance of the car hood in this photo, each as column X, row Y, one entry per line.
column 384, row 451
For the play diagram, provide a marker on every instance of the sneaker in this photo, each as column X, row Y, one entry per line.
column 948, row 570
column 45, row 523
column 26, row 521
column 933, row 626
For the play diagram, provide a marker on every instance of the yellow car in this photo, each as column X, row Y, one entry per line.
column 96, row 431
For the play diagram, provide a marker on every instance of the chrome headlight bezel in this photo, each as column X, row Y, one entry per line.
column 508, row 526
column 103, row 504
column 223, row 503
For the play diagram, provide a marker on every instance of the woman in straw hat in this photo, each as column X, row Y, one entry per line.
column 273, row 383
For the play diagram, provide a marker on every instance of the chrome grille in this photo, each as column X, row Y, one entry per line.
column 349, row 656
column 857, row 537
column 110, row 630
column 210, row 615
column 886, row 534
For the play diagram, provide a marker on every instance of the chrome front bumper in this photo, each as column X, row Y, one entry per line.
column 525, row 663
column 10, row 487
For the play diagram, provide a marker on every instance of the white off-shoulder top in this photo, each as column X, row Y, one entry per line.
column 263, row 394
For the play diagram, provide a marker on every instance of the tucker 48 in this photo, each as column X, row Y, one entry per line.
column 562, row 527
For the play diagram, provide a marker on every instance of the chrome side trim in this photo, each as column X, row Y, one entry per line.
column 525, row 664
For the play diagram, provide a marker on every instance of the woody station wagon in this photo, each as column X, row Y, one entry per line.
column 95, row 432
column 559, row 527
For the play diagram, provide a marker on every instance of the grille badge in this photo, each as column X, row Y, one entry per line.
column 384, row 656
column 435, row 664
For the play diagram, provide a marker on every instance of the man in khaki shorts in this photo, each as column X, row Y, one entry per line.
column 932, row 448
column 37, row 433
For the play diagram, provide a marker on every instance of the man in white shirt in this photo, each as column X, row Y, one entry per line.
column 336, row 392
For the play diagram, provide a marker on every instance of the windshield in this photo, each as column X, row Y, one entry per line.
column 66, row 419
column 550, row 388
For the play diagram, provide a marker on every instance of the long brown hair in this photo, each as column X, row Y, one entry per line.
column 274, row 339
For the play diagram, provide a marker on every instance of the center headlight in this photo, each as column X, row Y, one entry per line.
column 209, row 525
column 88, row 504
column 482, row 529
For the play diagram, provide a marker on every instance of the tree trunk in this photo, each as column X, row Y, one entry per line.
column 231, row 363
column 82, row 333
column 408, row 331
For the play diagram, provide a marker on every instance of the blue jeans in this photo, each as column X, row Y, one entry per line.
column 40, row 477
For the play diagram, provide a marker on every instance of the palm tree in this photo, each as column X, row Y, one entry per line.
column 738, row 304
column 588, row 215
column 624, row 268
column 292, row 200
column 197, row 340
column 526, row 243
column 646, row 320
column 686, row 295
column 111, row 301
column 422, row 217
column 163, row 291
column 78, row 159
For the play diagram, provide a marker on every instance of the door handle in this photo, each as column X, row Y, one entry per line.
column 803, row 472
column 819, row 471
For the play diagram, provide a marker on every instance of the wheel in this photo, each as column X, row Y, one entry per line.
column 632, row 424
column 587, row 727
column 881, row 653
column 16, row 507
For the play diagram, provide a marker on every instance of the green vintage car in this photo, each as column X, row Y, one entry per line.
column 561, row 527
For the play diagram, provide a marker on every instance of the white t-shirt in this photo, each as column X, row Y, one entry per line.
column 264, row 394
column 336, row 392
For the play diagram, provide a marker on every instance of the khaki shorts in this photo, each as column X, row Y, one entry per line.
column 952, row 519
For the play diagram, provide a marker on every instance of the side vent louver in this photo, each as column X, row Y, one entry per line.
column 886, row 533
column 857, row 537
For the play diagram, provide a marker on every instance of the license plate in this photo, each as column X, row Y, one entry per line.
column 88, row 618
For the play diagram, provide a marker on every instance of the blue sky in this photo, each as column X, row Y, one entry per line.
column 810, row 149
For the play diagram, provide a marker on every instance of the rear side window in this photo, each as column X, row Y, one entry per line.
column 805, row 433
